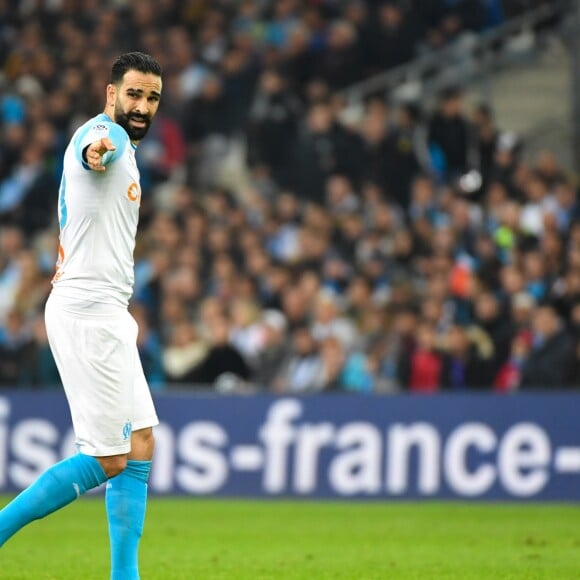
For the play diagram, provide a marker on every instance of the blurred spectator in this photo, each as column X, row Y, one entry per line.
column 521, row 307
column 506, row 159
column 509, row 375
column 328, row 321
column 273, row 123
column 26, row 196
column 340, row 64
column 360, row 373
column 393, row 38
column 16, row 351
column 295, row 307
column 284, row 19
column 206, row 127
column 11, row 244
column 246, row 330
column 302, row 370
column 405, row 153
column 486, row 135
column 551, row 358
column 150, row 349
column 398, row 345
column 567, row 204
column 273, row 350
column 421, row 369
column 450, row 136
column 493, row 320
column 298, row 63
column 332, row 361
column 538, row 203
column 468, row 363
column 183, row 354
column 222, row 358
column 165, row 150
column 463, row 15
column 322, row 149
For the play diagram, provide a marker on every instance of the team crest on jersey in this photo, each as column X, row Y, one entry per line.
column 134, row 192
column 127, row 428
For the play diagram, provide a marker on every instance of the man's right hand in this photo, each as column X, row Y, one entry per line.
column 95, row 151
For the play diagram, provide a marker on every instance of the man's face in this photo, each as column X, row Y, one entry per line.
column 136, row 101
column 545, row 322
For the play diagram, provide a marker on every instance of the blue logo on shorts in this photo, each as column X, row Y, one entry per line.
column 127, row 430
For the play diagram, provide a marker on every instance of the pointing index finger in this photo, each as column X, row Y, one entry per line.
column 108, row 144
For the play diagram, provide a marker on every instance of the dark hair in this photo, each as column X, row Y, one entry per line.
column 138, row 61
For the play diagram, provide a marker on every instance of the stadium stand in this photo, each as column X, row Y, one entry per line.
column 290, row 242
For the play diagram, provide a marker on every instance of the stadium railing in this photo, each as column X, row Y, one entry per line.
column 472, row 56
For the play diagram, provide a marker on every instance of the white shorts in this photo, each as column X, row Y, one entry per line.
column 96, row 354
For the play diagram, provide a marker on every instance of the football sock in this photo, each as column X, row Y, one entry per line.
column 126, row 502
column 56, row 487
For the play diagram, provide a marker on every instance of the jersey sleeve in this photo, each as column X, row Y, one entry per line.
column 93, row 132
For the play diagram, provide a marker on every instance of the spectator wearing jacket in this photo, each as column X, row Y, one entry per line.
column 551, row 359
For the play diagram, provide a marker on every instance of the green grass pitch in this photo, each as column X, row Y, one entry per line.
column 191, row 539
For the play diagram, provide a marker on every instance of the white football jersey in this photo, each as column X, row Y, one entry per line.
column 98, row 214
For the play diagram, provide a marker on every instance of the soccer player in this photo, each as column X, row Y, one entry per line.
column 91, row 333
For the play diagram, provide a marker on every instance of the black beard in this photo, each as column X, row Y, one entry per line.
column 135, row 133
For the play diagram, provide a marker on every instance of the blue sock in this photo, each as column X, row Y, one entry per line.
column 56, row 487
column 126, row 502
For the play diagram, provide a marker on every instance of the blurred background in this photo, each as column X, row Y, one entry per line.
column 355, row 196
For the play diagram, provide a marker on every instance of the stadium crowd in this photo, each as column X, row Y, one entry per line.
column 289, row 242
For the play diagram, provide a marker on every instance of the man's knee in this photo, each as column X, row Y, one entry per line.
column 114, row 465
column 142, row 444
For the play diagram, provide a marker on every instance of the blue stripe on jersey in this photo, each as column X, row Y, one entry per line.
column 77, row 143
column 62, row 203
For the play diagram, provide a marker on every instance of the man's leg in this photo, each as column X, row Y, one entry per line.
column 55, row 488
column 126, row 502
